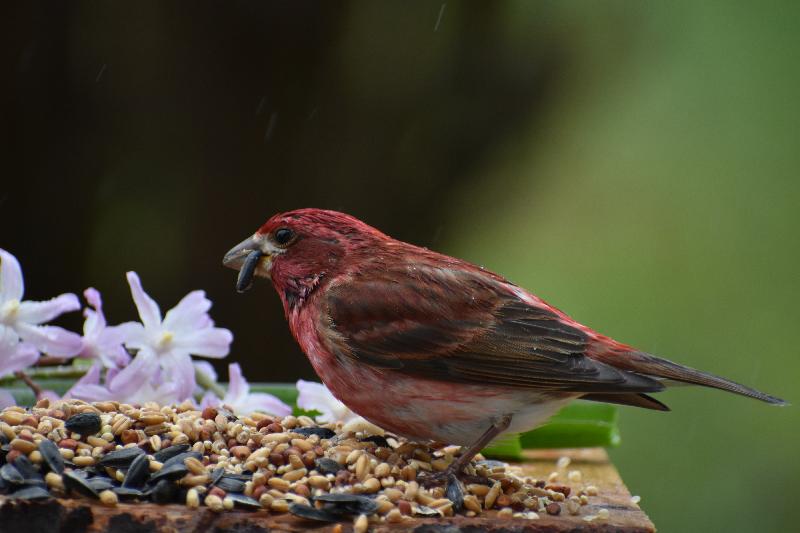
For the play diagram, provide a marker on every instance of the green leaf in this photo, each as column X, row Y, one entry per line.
column 578, row 425
column 506, row 447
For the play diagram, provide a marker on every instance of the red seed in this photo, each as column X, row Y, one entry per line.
column 503, row 500
column 209, row 413
column 264, row 423
column 12, row 454
column 342, row 477
column 308, row 459
column 274, row 428
column 216, row 491
column 69, row 444
column 404, row 507
column 563, row 489
column 553, row 508
column 128, row 436
column 32, row 421
column 240, row 452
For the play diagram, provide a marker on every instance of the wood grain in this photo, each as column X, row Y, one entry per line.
column 82, row 515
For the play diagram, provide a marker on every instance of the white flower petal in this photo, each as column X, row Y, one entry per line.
column 210, row 400
column 267, row 403
column 316, row 397
column 147, row 307
column 92, row 296
column 40, row 312
column 91, row 393
column 179, row 372
column 190, row 313
column 130, row 332
column 237, row 385
column 6, row 399
column 137, row 374
column 12, row 286
column 209, row 342
column 88, row 388
column 16, row 356
column 51, row 339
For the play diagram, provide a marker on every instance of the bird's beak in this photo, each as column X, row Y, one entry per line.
column 247, row 257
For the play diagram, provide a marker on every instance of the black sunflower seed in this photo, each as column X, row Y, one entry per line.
column 77, row 483
column 83, row 423
column 51, row 455
column 244, row 476
column 25, row 467
column 323, row 433
column 340, row 503
column 244, row 501
column 379, row 440
column 327, row 466
column 230, row 484
column 121, row 458
column 138, row 473
column 216, row 475
column 31, row 493
column 455, row 493
column 100, row 483
column 128, row 492
column 165, row 491
column 245, row 278
column 170, row 473
column 180, row 458
column 312, row 513
column 490, row 463
column 169, row 453
column 11, row 475
column 422, row 510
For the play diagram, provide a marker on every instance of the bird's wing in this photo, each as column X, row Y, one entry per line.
column 458, row 325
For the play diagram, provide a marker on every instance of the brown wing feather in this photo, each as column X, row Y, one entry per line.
column 456, row 325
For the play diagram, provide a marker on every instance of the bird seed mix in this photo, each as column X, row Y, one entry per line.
column 114, row 452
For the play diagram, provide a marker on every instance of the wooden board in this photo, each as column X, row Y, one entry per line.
column 82, row 515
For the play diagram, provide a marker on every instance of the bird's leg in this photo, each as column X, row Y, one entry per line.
column 455, row 470
column 457, row 466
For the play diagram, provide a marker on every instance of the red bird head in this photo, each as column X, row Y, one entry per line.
column 298, row 249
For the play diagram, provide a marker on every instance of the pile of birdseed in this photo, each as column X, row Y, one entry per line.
column 114, row 452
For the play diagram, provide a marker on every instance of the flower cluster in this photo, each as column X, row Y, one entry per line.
column 135, row 362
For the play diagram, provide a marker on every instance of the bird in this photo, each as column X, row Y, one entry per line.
column 435, row 348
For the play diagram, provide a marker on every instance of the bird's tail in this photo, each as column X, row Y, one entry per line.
column 645, row 363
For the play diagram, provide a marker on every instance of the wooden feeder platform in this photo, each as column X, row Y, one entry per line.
column 81, row 515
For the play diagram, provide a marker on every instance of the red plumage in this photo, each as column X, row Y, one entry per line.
column 434, row 347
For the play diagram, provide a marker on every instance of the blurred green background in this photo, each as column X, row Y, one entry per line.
column 633, row 163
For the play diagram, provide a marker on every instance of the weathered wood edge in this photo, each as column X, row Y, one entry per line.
column 82, row 515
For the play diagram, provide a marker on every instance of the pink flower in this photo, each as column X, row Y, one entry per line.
column 165, row 346
column 316, row 397
column 102, row 342
column 24, row 318
column 145, row 387
column 242, row 401
column 14, row 355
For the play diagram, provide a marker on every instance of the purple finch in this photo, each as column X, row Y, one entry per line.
column 433, row 347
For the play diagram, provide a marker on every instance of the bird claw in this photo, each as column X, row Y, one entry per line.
column 436, row 479
column 454, row 484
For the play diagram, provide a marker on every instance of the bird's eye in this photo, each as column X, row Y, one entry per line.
column 283, row 235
